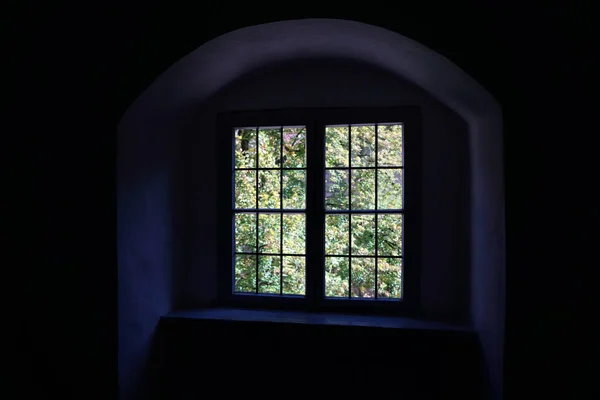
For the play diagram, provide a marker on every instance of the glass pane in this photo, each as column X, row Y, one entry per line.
column 363, row 189
column 269, row 148
column 294, row 234
column 337, row 275
column 363, row 146
column 363, row 277
column 268, row 189
column 269, row 273
column 389, row 186
column 363, row 235
column 269, row 231
column 245, row 148
column 389, row 278
column 389, row 231
column 245, row 189
column 294, row 189
column 245, row 233
column 245, row 273
column 336, row 189
column 336, row 146
column 294, row 147
column 294, row 275
column 389, row 145
column 337, row 235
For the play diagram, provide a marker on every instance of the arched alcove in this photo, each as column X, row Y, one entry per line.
column 153, row 165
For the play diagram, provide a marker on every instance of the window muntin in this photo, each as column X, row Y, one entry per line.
column 270, row 210
column 362, row 218
column 364, row 210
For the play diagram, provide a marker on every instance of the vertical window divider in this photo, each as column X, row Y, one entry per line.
column 281, row 212
column 256, row 205
column 349, row 211
column 376, row 208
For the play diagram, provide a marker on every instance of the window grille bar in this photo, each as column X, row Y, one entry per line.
column 281, row 208
column 350, row 215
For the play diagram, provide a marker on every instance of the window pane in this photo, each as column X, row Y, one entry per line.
column 363, row 146
column 269, row 148
column 268, row 189
column 389, row 278
column 389, row 150
column 389, row 186
column 268, row 274
column 337, row 275
column 363, row 235
column 269, row 232
column 245, row 148
column 294, row 275
column 245, row 189
column 294, row 147
column 337, row 235
column 245, row 273
column 294, row 189
column 389, row 231
column 336, row 189
column 363, row 277
column 294, row 234
column 336, row 146
column 245, row 233
column 363, row 189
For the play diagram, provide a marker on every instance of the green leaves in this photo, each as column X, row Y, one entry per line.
column 362, row 251
column 275, row 186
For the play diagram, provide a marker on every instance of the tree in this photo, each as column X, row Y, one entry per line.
column 264, row 237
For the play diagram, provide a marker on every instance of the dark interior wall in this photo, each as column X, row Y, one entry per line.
column 343, row 83
column 169, row 105
column 150, row 247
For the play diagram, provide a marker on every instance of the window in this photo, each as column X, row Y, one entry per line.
column 319, row 209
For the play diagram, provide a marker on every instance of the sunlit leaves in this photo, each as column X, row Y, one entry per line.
column 375, row 176
column 337, row 234
column 245, row 148
column 275, row 186
column 363, row 189
column 389, row 234
column 245, row 189
column 336, row 146
column 268, row 189
column 389, row 142
column 363, row 146
column 269, row 274
column 294, row 234
column 363, row 234
column 363, row 277
column 389, row 277
column 294, row 189
column 269, row 233
column 294, row 147
column 390, row 182
column 269, row 148
column 364, row 172
column 294, row 270
column 245, row 233
column 337, row 274
column 336, row 189
column 245, row 273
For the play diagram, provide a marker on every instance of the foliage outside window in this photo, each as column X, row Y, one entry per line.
column 318, row 208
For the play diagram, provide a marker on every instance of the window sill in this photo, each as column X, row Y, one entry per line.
column 307, row 318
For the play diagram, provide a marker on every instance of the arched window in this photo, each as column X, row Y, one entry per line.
column 168, row 191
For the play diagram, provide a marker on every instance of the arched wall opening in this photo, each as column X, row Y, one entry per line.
column 165, row 196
